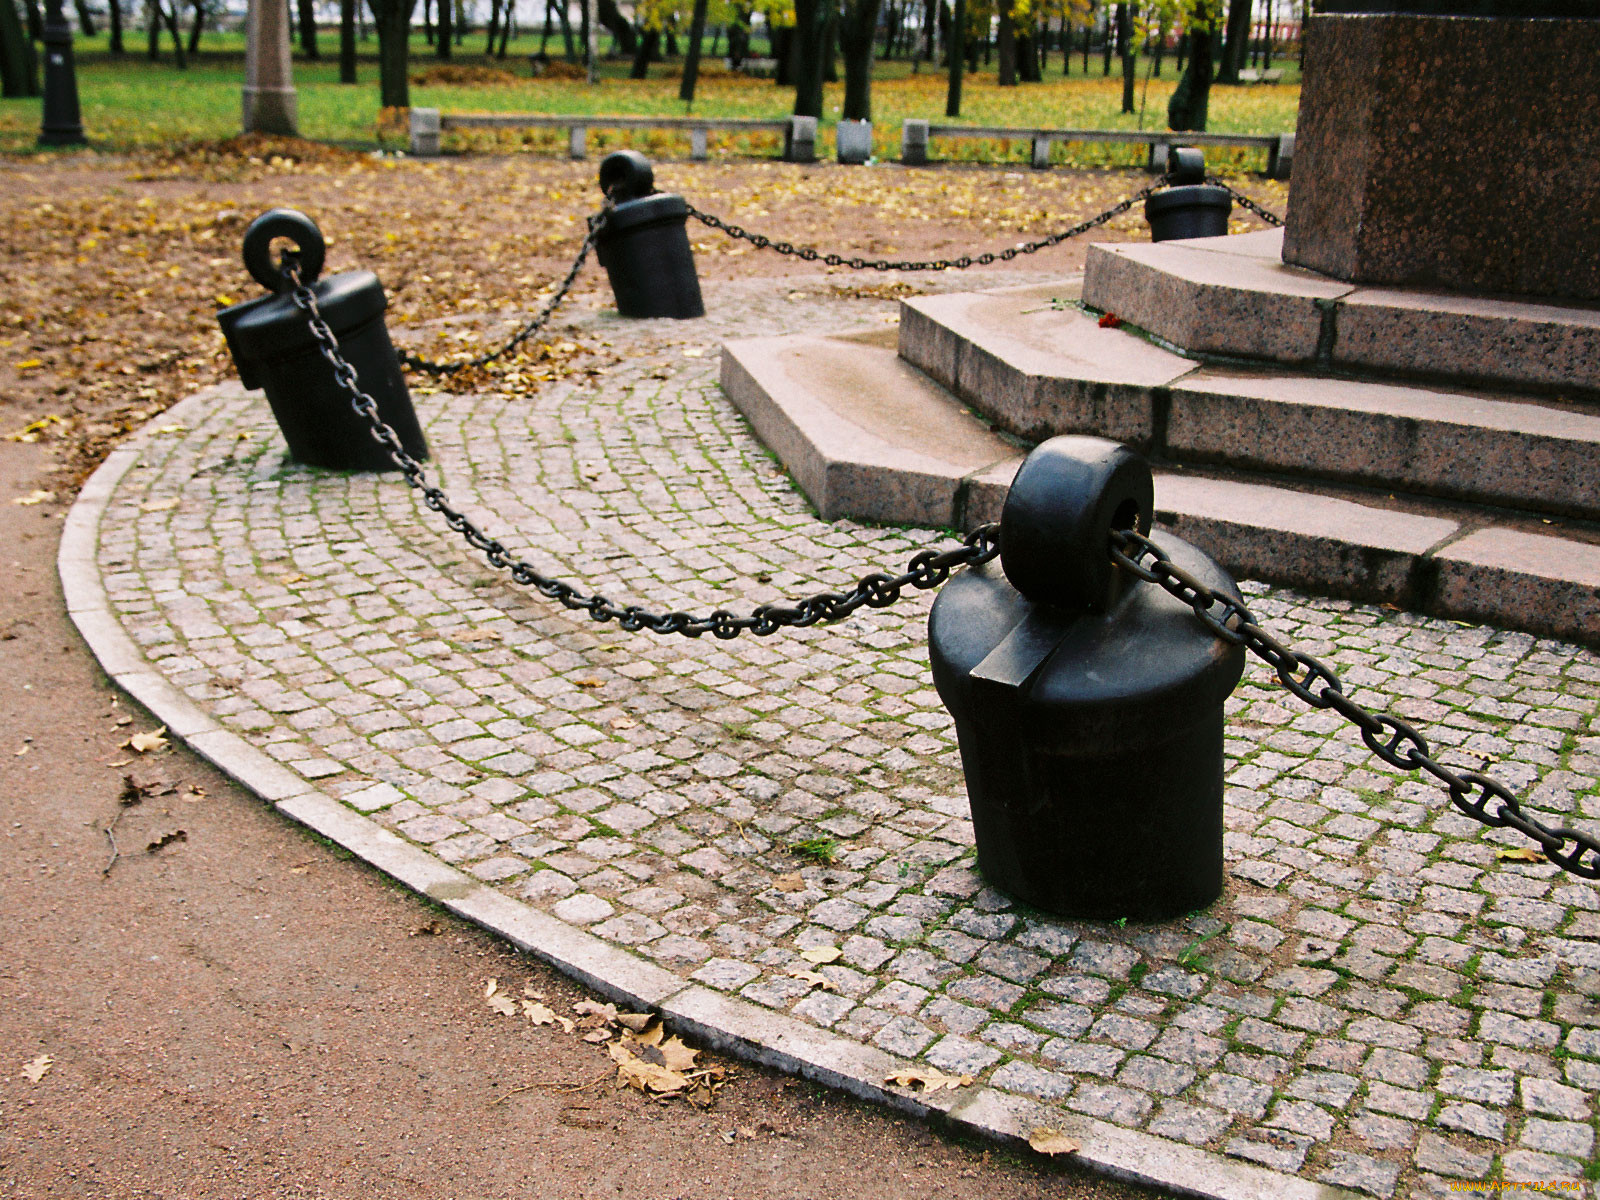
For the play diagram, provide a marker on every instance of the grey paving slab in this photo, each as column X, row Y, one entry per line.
column 1207, row 297
column 1417, row 439
column 675, row 820
column 1032, row 362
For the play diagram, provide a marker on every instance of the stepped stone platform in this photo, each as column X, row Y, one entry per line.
column 1439, row 496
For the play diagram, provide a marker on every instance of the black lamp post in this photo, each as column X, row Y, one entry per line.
column 62, row 124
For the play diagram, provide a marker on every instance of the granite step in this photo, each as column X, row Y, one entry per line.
column 1235, row 297
column 1036, row 364
column 867, row 436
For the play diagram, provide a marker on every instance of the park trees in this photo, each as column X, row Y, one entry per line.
column 1187, row 107
column 392, row 20
column 19, row 67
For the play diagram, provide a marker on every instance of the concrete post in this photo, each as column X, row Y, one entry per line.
column 914, row 142
column 269, row 98
column 425, row 128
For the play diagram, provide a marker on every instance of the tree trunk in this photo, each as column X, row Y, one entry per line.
column 427, row 22
column 308, row 30
column 566, row 29
column 196, row 27
column 1187, row 108
column 85, row 18
column 784, row 50
column 1028, row 57
column 508, row 25
column 1109, row 44
column 152, row 31
column 446, row 32
column 1125, row 44
column 1238, row 33
column 930, row 22
column 621, row 29
column 1006, row 76
column 644, row 51
column 392, row 19
column 114, row 13
column 857, row 30
column 347, row 41
column 1266, row 42
column 739, row 38
column 1161, row 48
column 35, row 21
column 19, row 68
column 811, row 41
column 691, row 64
column 1088, row 34
column 955, row 47
column 169, row 17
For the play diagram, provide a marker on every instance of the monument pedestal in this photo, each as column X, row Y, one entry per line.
column 1456, row 152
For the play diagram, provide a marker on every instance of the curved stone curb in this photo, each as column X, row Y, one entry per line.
column 732, row 1026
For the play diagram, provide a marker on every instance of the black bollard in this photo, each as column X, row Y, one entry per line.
column 1191, row 207
column 62, row 121
column 644, row 244
column 1087, row 705
column 274, row 349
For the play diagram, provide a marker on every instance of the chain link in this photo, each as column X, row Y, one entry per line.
column 535, row 323
column 1391, row 739
column 1271, row 218
column 927, row 569
column 761, row 242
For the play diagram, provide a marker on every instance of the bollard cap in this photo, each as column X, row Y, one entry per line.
column 297, row 228
column 1185, row 164
column 1055, row 528
column 626, row 175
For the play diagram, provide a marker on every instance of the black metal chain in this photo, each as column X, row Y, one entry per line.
column 927, row 569
column 1271, row 218
column 535, row 323
column 762, row 242
column 1391, row 739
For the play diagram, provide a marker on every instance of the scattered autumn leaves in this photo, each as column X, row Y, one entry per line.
column 116, row 267
column 646, row 1059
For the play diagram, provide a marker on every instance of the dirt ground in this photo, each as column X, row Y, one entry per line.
column 234, row 1008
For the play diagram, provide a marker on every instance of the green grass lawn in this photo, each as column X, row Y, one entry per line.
column 133, row 103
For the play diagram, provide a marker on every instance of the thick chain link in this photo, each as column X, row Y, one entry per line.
column 535, row 323
column 927, row 569
column 1271, row 218
column 761, row 242
column 1391, row 739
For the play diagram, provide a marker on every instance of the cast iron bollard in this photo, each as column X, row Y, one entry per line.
column 644, row 243
column 273, row 348
column 1191, row 208
column 1088, row 707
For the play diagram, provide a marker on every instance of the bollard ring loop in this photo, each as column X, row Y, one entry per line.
column 310, row 249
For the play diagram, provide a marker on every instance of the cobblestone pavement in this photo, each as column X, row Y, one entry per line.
column 1379, row 1001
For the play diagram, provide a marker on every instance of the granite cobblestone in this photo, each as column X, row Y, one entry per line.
column 1380, row 995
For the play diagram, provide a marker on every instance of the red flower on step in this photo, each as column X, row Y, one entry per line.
column 1110, row 321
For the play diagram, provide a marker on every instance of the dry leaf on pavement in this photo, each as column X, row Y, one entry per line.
column 498, row 1000
column 37, row 496
column 815, row 978
column 1518, row 854
column 538, row 1014
column 648, row 1077
column 36, row 1069
column 928, row 1079
column 146, row 743
column 790, row 882
column 1053, row 1141
column 822, row 954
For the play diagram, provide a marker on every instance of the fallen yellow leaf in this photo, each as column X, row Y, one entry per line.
column 38, row 496
column 538, row 1014
column 29, row 364
column 928, row 1079
column 815, row 978
column 36, row 1069
column 790, row 882
column 159, row 505
column 1053, row 1141
column 822, row 955
column 146, row 743
column 1518, row 854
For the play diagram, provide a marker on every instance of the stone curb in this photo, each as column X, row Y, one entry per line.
column 732, row 1026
